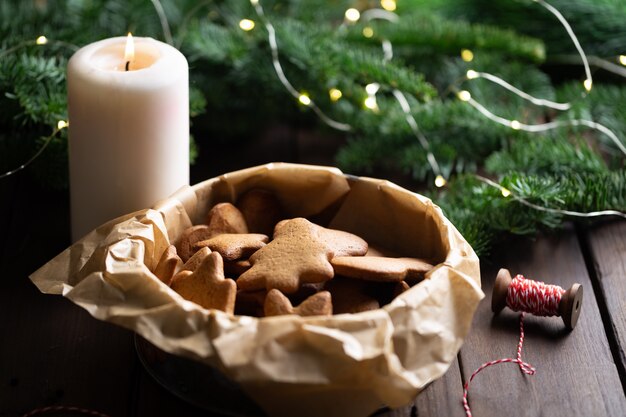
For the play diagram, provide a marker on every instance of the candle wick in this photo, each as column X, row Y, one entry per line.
column 127, row 65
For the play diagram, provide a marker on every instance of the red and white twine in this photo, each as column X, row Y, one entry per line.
column 527, row 296
column 534, row 297
column 64, row 409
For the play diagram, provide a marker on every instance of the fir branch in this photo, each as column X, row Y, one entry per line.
column 317, row 50
column 605, row 104
column 434, row 35
column 475, row 206
column 599, row 24
column 214, row 43
column 36, row 84
column 546, row 155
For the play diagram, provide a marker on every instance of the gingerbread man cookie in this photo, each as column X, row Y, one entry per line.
column 300, row 253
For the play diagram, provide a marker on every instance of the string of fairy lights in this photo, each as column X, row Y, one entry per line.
column 61, row 124
column 352, row 16
column 371, row 89
column 303, row 98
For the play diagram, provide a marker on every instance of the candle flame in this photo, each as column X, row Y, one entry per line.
column 129, row 52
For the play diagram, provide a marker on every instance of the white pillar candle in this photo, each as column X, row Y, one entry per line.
column 128, row 129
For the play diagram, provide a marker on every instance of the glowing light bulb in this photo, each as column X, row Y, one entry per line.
column 372, row 88
column 622, row 60
column 42, row 40
column 62, row 124
column 467, row 55
column 246, row 24
column 254, row 2
column 440, row 181
column 389, row 5
column 335, row 94
column 464, row 95
column 352, row 15
column 304, row 99
column 471, row 74
column 368, row 32
column 371, row 103
column 588, row 84
column 515, row 125
column 505, row 192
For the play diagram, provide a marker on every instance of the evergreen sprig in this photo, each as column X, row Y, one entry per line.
column 582, row 192
column 431, row 34
column 599, row 24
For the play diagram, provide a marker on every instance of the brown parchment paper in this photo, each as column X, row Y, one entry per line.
column 344, row 365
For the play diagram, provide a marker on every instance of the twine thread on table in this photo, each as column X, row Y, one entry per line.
column 534, row 297
column 64, row 408
column 527, row 296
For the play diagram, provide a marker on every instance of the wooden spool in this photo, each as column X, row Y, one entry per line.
column 569, row 307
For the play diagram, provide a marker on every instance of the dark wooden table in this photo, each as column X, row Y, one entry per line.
column 52, row 352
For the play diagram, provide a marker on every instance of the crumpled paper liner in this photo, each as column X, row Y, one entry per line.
column 344, row 365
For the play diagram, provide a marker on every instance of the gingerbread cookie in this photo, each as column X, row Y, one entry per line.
column 299, row 253
column 305, row 291
column 206, row 286
column 189, row 237
column 234, row 246
column 351, row 296
column 236, row 268
column 195, row 261
column 277, row 304
column 168, row 265
column 261, row 209
column 342, row 243
column 225, row 218
column 378, row 268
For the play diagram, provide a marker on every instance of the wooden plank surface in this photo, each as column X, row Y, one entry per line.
column 607, row 246
column 7, row 189
column 51, row 351
column 442, row 397
column 155, row 401
column 576, row 375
